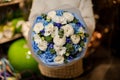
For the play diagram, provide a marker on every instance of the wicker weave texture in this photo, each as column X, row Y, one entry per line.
column 70, row 71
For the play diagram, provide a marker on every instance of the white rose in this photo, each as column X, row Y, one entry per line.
column 37, row 38
column 60, row 19
column 51, row 14
column 68, row 30
column 59, row 59
column 60, row 50
column 38, row 27
column 75, row 39
column 59, row 41
column 42, row 45
column 68, row 16
column 56, row 19
column 49, row 29
column 63, row 20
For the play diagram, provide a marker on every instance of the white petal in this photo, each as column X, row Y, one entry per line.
column 43, row 45
column 59, row 59
column 59, row 41
column 51, row 14
column 68, row 30
column 61, row 51
column 49, row 29
column 56, row 19
column 37, row 38
column 68, row 16
column 75, row 39
column 38, row 27
column 63, row 20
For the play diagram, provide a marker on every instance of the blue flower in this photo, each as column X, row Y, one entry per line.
column 68, row 40
column 51, row 45
column 70, row 57
column 85, row 39
column 59, row 12
column 76, row 29
column 48, row 57
column 42, row 32
column 39, row 18
column 35, row 48
column 58, row 25
column 78, row 24
column 45, row 23
column 76, row 47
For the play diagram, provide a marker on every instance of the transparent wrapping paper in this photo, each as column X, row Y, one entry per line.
column 79, row 55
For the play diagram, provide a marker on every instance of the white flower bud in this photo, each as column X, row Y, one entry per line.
column 80, row 49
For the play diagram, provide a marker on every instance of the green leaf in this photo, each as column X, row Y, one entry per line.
column 86, row 35
column 65, row 61
column 39, row 52
column 75, row 20
column 44, row 15
column 69, row 47
column 52, row 50
column 48, row 38
column 82, row 43
column 61, row 33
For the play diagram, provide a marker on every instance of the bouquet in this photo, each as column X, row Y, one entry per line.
column 58, row 37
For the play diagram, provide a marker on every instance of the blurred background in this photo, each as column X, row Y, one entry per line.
column 102, row 57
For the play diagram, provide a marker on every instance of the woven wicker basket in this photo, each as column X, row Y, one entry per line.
column 70, row 71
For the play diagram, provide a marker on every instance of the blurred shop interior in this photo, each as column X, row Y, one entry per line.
column 102, row 58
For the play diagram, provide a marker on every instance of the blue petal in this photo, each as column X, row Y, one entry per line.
column 42, row 32
column 58, row 25
column 59, row 12
column 39, row 18
column 68, row 40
